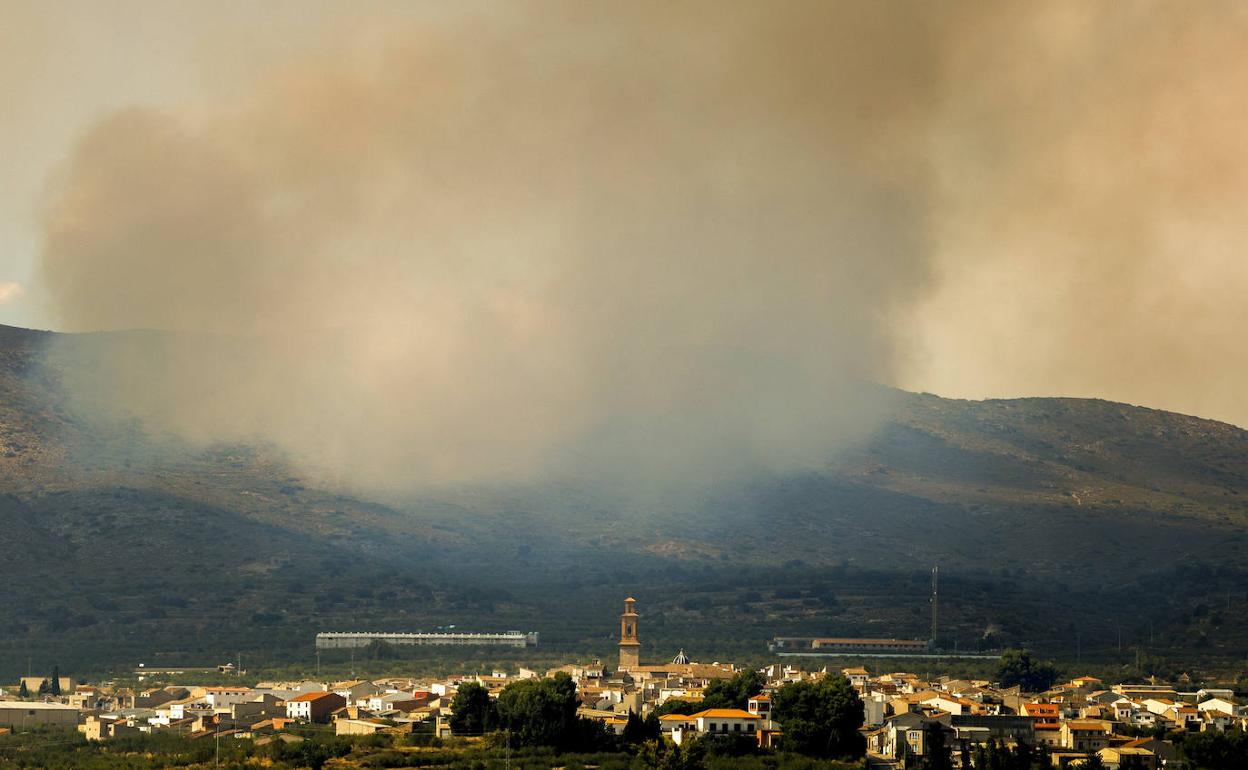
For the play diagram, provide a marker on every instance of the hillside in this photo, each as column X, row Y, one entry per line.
column 1051, row 519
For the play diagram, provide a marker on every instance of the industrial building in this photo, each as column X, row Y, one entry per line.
column 823, row 645
column 330, row 640
column 23, row 715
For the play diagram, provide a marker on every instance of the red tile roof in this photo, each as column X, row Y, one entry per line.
column 307, row 696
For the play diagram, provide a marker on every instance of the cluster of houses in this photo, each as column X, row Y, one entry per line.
column 902, row 712
column 263, row 712
column 1071, row 721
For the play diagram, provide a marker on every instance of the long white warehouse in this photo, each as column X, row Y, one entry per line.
column 341, row 639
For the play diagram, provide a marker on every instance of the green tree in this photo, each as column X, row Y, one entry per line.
column 43, row 687
column 676, row 706
column 638, row 730
column 1019, row 669
column 936, row 751
column 1026, row 755
column 661, row 755
column 23, row 691
column 729, row 745
column 379, row 649
column 820, row 718
column 55, row 687
column 1216, row 750
column 539, row 712
column 732, row 693
column 472, row 711
column 998, row 756
column 1094, row 762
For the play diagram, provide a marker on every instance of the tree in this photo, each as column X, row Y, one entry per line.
column 729, row 745
column 638, row 730
column 539, row 712
column 56, row 680
column 1018, row 669
column 936, row 753
column 43, row 687
column 379, row 649
column 23, row 691
column 1094, row 762
column 820, row 718
column 1025, row 756
column 1216, row 750
column 661, row 755
column 733, row 693
column 676, row 706
column 472, row 712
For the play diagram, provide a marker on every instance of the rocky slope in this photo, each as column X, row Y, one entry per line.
column 140, row 545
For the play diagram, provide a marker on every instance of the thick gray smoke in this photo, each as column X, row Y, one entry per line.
column 1089, row 226
column 666, row 241
column 646, row 242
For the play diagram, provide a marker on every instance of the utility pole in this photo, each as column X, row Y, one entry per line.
column 935, row 601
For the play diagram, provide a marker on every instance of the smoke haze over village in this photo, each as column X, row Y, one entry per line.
column 503, row 242
column 812, row 384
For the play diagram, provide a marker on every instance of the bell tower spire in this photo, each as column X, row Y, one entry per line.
column 630, row 648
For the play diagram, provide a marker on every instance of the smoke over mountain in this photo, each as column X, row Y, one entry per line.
column 624, row 240
column 666, row 241
column 1089, row 226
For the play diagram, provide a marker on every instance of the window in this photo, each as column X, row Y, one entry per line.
column 737, row 727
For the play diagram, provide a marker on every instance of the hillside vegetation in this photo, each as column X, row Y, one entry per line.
column 1079, row 527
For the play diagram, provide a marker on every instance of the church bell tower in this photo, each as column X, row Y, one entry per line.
column 630, row 648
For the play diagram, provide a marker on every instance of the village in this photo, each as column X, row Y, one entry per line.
column 904, row 717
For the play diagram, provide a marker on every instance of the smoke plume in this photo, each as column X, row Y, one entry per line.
column 1088, row 220
column 665, row 240
column 647, row 240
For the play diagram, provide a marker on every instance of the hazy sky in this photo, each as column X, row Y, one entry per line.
column 976, row 200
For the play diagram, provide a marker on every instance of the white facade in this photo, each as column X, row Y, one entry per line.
column 344, row 639
column 299, row 709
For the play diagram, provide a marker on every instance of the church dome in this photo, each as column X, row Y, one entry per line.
column 681, row 658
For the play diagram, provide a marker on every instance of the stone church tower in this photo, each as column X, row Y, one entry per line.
column 630, row 648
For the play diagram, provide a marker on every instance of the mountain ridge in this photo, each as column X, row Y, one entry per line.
column 1033, row 504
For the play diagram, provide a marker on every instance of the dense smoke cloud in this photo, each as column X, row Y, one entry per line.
column 649, row 242
column 1090, row 219
column 664, row 241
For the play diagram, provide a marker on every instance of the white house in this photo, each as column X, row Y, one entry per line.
column 727, row 722
column 951, row 704
column 1225, row 705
